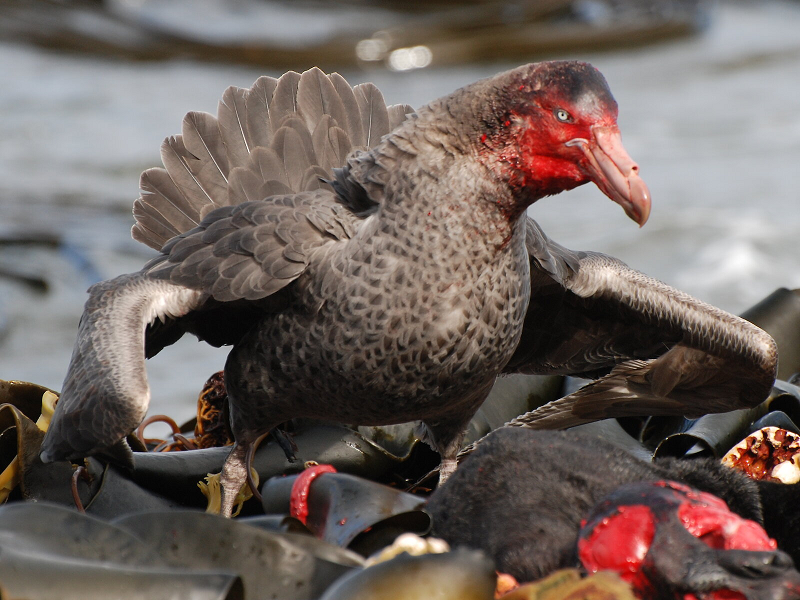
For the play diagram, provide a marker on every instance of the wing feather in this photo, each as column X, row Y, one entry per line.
column 176, row 159
column 209, row 160
column 281, row 136
column 331, row 144
column 257, row 106
column 294, row 153
column 284, row 99
column 374, row 115
column 353, row 124
column 398, row 114
column 232, row 119
column 317, row 97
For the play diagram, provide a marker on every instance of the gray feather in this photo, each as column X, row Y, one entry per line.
column 299, row 127
column 218, row 229
column 294, row 154
column 331, row 144
column 398, row 114
column 106, row 394
column 259, row 126
column 353, row 125
column 176, row 160
column 558, row 262
column 244, row 185
column 202, row 138
column 274, row 236
column 154, row 218
column 162, row 199
column 245, row 281
column 374, row 116
column 314, row 179
column 284, row 99
column 268, row 164
column 273, row 188
column 317, row 97
column 281, row 136
column 147, row 231
column 232, row 118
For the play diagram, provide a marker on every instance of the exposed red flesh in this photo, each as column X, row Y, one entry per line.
column 620, row 543
column 721, row 529
column 298, row 501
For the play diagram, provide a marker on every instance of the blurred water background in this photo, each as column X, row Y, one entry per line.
column 713, row 120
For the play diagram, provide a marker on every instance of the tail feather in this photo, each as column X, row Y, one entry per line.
column 150, row 236
column 273, row 187
column 268, row 165
column 243, row 185
column 157, row 225
column 298, row 126
column 313, row 179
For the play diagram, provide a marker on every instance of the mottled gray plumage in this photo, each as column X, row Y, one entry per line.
column 394, row 288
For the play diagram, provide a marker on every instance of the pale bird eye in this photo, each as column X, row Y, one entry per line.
column 563, row 115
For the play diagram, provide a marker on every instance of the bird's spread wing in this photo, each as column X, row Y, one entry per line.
column 105, row 394
column 659, row 350
column 244, row 199
column 245, row 193
column 280, row 136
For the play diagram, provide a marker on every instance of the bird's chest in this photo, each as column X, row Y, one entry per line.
column 415, row 325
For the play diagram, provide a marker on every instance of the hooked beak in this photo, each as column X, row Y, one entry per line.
column 614, row 172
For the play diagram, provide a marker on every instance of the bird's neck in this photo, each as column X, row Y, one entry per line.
column 442, row 189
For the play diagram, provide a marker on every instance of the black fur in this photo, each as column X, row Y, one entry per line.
column 523, row 493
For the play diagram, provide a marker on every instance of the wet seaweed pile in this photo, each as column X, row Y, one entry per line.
column 145, row 534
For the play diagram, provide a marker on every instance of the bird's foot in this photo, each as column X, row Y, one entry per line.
column 233, row 476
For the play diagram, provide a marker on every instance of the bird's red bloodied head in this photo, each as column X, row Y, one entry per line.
column 670, row 541
column 553, row 128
